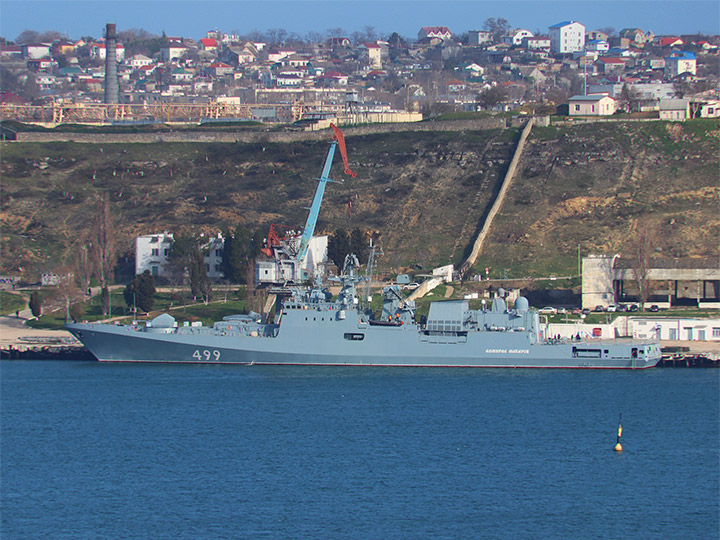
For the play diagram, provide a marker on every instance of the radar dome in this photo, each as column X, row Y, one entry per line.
column 521, row 304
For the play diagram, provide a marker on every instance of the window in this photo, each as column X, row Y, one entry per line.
column 155, row 252
column 354, row 337
column 716, row 332
column 673, row 334
column 218, row 253
column 166, row 252
column 577, row 107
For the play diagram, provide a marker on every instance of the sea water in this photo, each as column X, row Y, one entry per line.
column 121, row 451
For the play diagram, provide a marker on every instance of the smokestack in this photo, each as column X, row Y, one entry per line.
column 112, row 90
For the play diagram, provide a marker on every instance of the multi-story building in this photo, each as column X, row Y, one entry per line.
column 567, row 37
column 680, row 62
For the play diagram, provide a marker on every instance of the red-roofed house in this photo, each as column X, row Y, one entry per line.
column 218, row 69
column 670, row 42
column 612, row 66
column 208, row 44
column 434, row 32
column 10, row 51
column 372, row 54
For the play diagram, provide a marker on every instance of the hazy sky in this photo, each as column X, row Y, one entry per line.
column 192, row 18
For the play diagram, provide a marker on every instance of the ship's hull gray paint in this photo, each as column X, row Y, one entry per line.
column 297, row 344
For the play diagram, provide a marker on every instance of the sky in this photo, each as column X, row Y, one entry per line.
column 192, row 18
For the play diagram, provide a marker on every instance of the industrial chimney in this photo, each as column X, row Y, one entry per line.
column 112, row 90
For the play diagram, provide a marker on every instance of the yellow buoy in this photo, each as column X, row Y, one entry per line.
column 618, row 447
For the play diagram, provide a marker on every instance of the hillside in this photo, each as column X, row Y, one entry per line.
column 424, row 193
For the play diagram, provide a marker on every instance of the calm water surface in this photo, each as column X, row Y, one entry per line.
column 95, row 451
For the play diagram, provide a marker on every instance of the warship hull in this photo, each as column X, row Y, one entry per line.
column 353, row 343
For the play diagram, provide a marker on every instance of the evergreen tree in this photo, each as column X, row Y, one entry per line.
column 140, row 292
column 359, row 245
column 241, row 248
column 36, row 304
column 338, row 247
column 105, row 301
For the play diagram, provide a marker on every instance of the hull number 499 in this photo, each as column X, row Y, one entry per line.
column 206, row 355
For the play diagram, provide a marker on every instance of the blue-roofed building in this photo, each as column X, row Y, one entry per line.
column 567, row 37
column 680, row 62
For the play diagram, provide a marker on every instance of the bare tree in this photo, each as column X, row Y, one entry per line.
column 640, row 250
column 497, row 27
column 104, row 245
column 490, row 97
column 313, row 37
column 630, row 99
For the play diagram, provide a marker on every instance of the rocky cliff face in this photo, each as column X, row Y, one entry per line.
column 424, row 193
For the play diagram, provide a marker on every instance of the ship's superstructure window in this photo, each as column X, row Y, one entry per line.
column 354, row 336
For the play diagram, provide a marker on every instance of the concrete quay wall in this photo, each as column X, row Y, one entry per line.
column 255, row 136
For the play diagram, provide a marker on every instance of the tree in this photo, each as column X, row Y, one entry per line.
column 187, row 259
column 640, row 249
column 27, row 36
column 140, row 292
column 241, row 248
column 36, row 304
column 105, row 301
column 359, row 245
column 497, row 27
column 490, row 97
column 200, row 284
column 629, row 100
column 338, row 247
column 104, row 245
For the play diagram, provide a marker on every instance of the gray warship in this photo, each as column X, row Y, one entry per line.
column 313, row 328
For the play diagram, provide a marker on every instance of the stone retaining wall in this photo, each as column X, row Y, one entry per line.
column 256, row 136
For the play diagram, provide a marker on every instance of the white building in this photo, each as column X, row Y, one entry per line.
column 284, row 270
column 515, row 37
column 97, row 50
column 672, row 329
column 598, row 45
column 677, row 110
column 479, row 37
column 537, row 43
column 592, row 105
column 567, row 37
column 139, row 60
column 151, row 253
column 679, row 63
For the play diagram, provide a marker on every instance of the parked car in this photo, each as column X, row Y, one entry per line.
column 633, row 307
column 578, row 311
column 548, row 310
column 586, row 311
column 653, row 308
column 599, row 307
column 622, row 307
column 411, row 286
column 612, row 308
